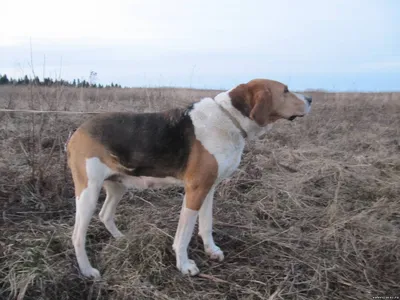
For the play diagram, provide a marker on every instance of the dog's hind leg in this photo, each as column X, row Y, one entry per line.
column 114, row 191
column 86, row 201
column 85, row 206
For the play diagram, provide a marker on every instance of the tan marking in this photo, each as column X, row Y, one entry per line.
column 199, row 176
column 81, row 147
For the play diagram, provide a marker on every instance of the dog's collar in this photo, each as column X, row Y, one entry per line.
column 234, row 121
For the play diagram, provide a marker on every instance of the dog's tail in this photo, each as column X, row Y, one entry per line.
column 71, row 132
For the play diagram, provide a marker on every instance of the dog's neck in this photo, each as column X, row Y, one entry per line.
column 249, row 127
column 234, row 120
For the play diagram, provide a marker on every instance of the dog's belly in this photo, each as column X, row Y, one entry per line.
column 145, row 182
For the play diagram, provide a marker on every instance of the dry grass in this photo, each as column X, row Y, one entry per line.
column 313, row 212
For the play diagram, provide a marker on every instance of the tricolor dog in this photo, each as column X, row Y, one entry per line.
column 196, row 147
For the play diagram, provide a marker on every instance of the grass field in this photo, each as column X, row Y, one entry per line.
column 312, row 213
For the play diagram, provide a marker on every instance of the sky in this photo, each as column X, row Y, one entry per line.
column 338, row 45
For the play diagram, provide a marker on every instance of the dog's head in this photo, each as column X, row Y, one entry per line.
column 265, row 101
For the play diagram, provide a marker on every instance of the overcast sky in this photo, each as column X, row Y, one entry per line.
column 308, row 44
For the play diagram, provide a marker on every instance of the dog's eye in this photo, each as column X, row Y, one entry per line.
column 286, row 90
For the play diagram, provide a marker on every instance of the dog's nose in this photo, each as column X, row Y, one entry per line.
column 309, row 99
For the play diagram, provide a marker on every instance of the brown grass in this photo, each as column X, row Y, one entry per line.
column 313, row 212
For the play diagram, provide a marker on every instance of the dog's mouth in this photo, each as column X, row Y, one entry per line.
column 294, row 117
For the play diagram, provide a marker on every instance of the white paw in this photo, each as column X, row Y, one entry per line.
column 112, row 228
column 215, row 253
column 188, row 267
column 91, row 272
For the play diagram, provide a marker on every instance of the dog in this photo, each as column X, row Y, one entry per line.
column 196, row 147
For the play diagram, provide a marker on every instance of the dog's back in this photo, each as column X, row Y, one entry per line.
column 151, row 144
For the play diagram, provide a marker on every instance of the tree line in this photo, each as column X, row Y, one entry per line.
column 4, row 79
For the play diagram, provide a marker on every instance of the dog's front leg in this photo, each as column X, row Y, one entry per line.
column 195, row 195
column 205, row 228
column 184, row 232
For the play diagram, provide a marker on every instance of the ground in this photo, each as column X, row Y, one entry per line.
column 312, row 213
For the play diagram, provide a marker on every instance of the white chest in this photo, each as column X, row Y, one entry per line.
column 228, row 163
column 215, row 133
column 227, row 152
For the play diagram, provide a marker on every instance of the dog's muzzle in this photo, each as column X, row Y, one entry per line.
column 307, row 102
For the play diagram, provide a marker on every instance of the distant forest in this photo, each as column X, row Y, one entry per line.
column 4, row 79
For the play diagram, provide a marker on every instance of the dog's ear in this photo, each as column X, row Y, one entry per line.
column 262, row 101
column 240, row 99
